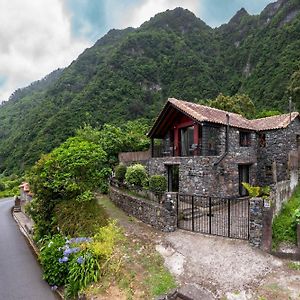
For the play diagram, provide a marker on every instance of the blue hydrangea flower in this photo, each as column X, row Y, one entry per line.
column 80, row 259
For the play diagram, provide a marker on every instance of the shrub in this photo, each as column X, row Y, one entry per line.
column 136, row 175
column 55, row 273
column 71, row 171
column 158, row 184
column 77, row 262
column 84, row 269
column 284, row 224
column 296, row 216
column 120, row 171
column 104, row 241
column 2, row 186
column 79, row 218
column 103, row 180
column 257, row 191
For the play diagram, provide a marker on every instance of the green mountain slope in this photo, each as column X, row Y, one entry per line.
column 130, row 73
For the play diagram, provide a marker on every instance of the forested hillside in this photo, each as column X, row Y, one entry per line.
column 130, row 73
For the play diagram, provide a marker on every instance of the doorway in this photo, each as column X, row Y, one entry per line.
column 244, row 176
column 173, row 178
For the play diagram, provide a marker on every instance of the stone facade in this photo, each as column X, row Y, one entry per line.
column 256, row 221
column 273, row 158
column 199, row 175
column 276, row 162
column 147, row 211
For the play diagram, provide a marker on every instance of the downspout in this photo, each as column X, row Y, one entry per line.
column 226, row 143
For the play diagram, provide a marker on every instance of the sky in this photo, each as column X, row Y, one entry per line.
column 39, row 36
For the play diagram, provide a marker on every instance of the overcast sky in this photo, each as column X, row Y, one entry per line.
column 39, row 36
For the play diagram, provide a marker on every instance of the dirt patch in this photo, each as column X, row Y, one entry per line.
column 282, row 284
column 113, row 292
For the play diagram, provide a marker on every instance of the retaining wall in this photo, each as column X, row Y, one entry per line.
column 147, row 211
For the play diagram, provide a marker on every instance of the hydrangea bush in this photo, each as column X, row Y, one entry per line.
column 77, row 262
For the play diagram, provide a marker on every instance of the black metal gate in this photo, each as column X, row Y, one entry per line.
column 227, row 217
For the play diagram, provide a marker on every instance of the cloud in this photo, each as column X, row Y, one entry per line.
column 134, row 13
column 36, row 38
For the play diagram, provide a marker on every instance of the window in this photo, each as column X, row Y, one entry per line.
column 245, row 139
column 168, row 144
column 269, row 171
column 262, row 140
column 187, row 141
column 210, row 140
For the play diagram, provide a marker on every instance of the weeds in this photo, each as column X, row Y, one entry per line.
column 284, row 226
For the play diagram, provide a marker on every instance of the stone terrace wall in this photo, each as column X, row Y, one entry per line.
column 148, row 212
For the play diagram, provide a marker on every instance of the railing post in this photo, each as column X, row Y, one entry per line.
column 152, row 147
column 209, row 215
column 177, row 204
column 193, row 226
column 228, row 212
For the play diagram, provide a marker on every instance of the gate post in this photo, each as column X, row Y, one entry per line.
column 228, row 212
column 193, row 214
column 256, row 210
column 209, row 199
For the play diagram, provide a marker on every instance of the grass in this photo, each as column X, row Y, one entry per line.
column 138, row 271
column 284, row 227
column 5, row 194
column 294, row 266
column 80, row 218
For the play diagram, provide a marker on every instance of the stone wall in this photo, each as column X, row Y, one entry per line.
column 256, row 214
column 149, row 212
column 198, row 175
column 274, row 158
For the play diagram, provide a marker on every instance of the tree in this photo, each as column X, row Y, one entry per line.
column 70, row 172
column 240, row 104
column 294, row 88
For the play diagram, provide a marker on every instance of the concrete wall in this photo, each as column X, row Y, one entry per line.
column 131, row 157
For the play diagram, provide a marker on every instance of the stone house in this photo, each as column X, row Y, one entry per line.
column 207, row 151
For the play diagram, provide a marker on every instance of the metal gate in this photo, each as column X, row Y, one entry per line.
column 227, row 217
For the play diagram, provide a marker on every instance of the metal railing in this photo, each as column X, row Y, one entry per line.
column 194, row 150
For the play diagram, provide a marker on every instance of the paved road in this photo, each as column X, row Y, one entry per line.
column 20, row 274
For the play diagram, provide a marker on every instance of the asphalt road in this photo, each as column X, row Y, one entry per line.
column 20, row 273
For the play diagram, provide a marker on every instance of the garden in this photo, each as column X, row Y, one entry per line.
column 83, row 251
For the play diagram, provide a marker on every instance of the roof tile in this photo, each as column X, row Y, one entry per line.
column 203, row 113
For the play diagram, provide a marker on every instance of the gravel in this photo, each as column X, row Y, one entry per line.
column 218, row 264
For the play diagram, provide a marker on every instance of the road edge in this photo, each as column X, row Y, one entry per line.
column 31, row 242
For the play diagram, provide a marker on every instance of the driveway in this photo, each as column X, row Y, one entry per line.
column 215, row 266
column 20, row 274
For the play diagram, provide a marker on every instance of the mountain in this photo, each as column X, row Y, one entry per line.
column 130, row 73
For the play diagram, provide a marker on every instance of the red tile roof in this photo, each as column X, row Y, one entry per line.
column 203, row 113
column 275, row 122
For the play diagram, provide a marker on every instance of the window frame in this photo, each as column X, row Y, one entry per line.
column 244, row 138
